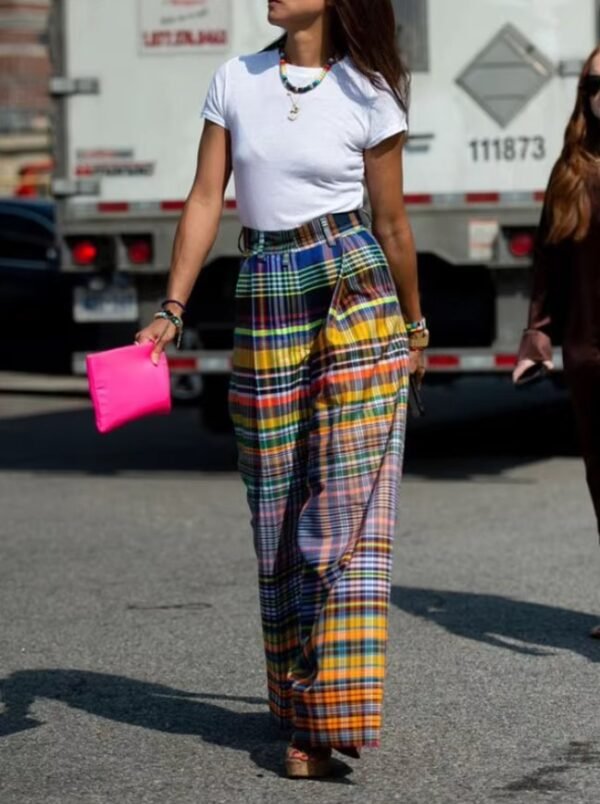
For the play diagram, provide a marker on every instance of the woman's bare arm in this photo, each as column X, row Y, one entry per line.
column 197, row 229
column 384, row 175
column 391, row 227
column 199, row 222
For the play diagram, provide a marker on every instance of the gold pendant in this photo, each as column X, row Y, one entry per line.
column 295, row 110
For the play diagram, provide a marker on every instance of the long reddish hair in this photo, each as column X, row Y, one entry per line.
column 568, row 196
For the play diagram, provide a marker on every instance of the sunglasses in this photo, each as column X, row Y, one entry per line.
column 591, row 85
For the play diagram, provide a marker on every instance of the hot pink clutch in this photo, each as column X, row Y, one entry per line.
column 126, row 385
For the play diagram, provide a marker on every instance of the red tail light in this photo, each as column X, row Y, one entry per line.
column 521, row 244
column 443, row 361
column 505, row 361
column 139, row 252
column 84, row 253
column 26, row 191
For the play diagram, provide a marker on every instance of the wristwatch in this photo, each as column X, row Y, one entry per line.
column 418, row 339
column 418, row 334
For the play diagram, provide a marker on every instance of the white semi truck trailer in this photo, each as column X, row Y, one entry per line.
column 493, row 85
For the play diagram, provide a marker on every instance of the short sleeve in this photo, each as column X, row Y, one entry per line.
column 215, row 105
column 386, row 118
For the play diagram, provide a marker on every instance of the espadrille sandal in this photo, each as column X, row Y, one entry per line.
column 308, row 763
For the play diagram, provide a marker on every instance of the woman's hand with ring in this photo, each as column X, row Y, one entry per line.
column 416, row 364
column 160, row 333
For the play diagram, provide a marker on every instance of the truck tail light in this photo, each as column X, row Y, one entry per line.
column 84, row 252
column 139, row 250
column 521, row 244
column 25, row 190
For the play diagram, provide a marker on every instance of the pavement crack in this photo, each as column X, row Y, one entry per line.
column 196, row 606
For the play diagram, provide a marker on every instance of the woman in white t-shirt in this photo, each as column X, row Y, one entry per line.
column 322, row 353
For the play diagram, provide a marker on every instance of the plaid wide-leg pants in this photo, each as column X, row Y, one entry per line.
column 318, row 398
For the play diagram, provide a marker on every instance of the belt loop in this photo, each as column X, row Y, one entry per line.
column 326, row 227
column 243, row 245
column 365, row 218
column 260, row 246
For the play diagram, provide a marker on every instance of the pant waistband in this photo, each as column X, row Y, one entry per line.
column 321, row 230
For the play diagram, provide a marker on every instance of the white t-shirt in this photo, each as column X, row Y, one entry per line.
column 288, row 173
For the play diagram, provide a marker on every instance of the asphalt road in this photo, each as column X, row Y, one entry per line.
column 131, row 667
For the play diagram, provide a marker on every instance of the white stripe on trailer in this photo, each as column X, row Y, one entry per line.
column 478, row 363
column 465, row 361
column 215, row 362
column 180, row 363
column 491, row 198
column 86, row 209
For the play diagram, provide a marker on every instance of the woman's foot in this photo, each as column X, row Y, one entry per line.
column 595, row 632
column 308, row 762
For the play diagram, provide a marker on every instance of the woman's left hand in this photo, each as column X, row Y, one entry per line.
column 417, row 364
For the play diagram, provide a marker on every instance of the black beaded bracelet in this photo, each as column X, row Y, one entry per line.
column 173, row 301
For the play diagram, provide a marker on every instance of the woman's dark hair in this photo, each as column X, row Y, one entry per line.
column 365, row 30
column 568, row 200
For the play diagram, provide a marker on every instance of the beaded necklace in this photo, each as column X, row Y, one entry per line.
column 294, row 90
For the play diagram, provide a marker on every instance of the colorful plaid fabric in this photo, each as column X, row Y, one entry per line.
column 318, row 399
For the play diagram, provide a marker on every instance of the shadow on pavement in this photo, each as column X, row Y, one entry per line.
column 151, row 706
column 489, row 445
column 66, row 441
column 495, row 620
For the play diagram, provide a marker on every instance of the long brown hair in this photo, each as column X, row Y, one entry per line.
column 365, row 30
column 568, row 196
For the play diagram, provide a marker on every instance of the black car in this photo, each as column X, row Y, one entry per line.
column 35, row 297
column 27, row 236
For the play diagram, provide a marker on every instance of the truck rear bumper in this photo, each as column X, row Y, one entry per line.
column 182, row 363
column 455, row 361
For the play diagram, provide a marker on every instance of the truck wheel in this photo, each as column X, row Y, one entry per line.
column 214, row 409
column 186, row 387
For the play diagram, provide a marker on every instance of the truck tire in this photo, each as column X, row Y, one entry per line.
column 186, row 388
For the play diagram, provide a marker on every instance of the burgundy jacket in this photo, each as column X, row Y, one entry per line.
column 565, row 297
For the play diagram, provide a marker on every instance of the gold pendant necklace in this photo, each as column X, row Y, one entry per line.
column 295, row 110
column 294, row 90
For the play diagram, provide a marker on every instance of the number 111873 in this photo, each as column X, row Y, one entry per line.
column 508, row 149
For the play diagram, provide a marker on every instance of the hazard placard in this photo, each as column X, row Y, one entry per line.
column 483, row 235
column 184, row 26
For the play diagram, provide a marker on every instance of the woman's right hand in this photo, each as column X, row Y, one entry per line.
column 526, row 364
column 160, row 333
